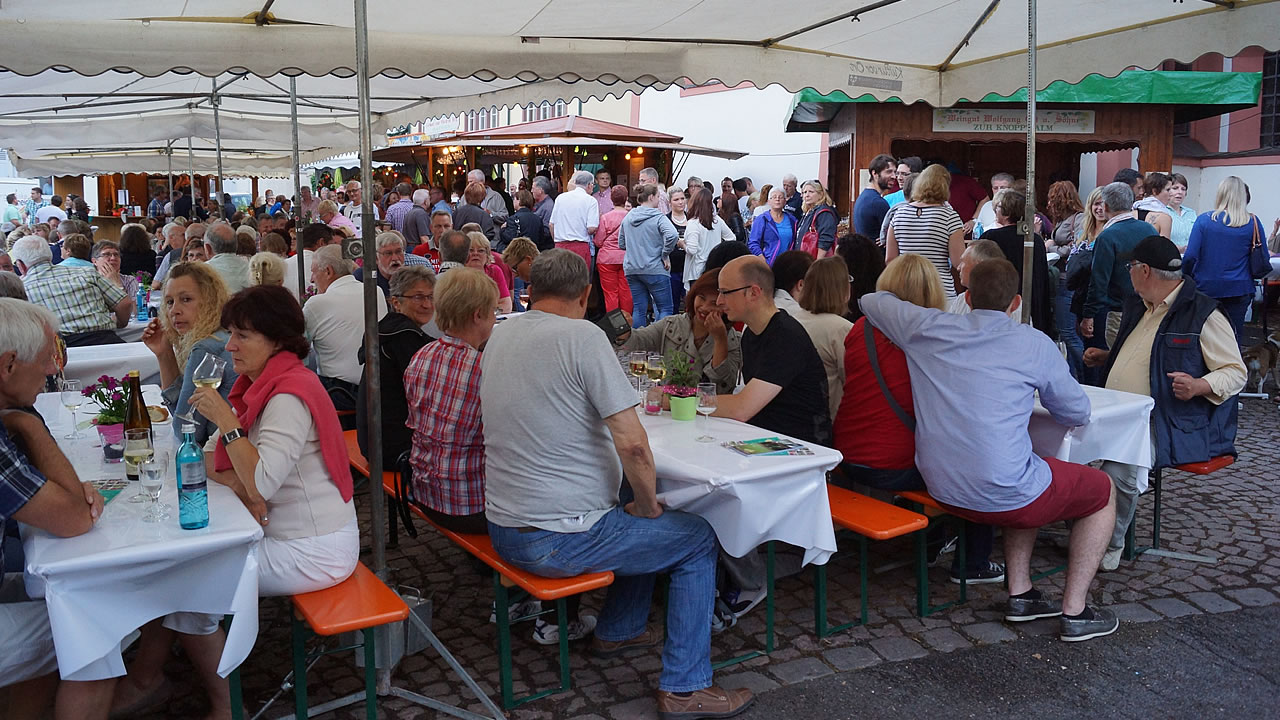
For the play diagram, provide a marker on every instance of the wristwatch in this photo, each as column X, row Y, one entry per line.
column 232, row 436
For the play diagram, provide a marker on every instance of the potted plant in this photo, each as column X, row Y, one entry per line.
column 108, row 393
column 682, row 384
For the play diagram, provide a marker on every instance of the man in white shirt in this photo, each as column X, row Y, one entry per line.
column 576, row 216
column 978, row 251
column 986, row 217
column 220, row 248
column 354, row 209
column 52, row 213
column 335, row 324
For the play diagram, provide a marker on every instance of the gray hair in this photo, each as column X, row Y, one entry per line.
column 388, row 238
column 543, row 183
column 352, row 185
column 694, row 179
column 194, row 231
column 559, row 274
column 71, row 226
column 983, row 250
column 403, row 189
column 477, row 176
column 410, row 275
column 1117, row 197
column 650, row 173
column 11, row 286
column 1167, row 275
column 31, row 250
column 582, row 179
column 420, row 196
column 441, row 212
column 23, row 328
column 790, row 178
column 221, row 237
column 1002, row 177
column 170, row 227
column 330, row 257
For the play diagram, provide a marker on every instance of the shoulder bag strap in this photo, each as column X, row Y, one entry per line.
column 874, row 359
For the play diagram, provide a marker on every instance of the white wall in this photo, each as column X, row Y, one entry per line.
column 747, row 120
column 1261, row 179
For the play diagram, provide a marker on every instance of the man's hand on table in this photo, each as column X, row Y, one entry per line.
column 1186, row 387
column 94, row 499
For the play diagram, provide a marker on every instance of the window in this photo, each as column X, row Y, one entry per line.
column 493, row 117
column 1270, row 136
column 530, row 112
column 544, row 111
column 561, row 109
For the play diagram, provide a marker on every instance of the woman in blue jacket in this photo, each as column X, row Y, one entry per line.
column 1217, row 255
column 772, row 232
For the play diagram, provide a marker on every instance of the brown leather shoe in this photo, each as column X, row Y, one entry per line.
column 606, row 649
column 712, row 702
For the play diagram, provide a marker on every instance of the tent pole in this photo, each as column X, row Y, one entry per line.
column 168, row 151
column 217, row 141
column 297, row 189
column 191, row 172
column 1028, row 226
column 373, row 389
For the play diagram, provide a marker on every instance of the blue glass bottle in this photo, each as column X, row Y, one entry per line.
column 193, row 489
column 141, row 300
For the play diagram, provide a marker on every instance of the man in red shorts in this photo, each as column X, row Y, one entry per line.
column 973, row 384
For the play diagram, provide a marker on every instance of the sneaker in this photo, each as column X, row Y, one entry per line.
column 991, row 572
column 722, row 618
column 712, row 702
column 548, row 633
column 607, row 648
column 1102, row 622
column 1111, row 558
column 1023, row 609
column 741, row 602
column 518, row 610
column 946, row 548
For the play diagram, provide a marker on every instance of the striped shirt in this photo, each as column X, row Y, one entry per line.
column 82, row 299
column 442, row 386
column 19, row 481
column 926, row 231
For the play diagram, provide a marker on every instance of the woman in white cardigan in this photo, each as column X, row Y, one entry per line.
column 704, row 231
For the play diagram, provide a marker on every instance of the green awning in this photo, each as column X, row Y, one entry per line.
column 1198, row 95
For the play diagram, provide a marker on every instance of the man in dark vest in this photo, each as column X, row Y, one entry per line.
column 1176, row 346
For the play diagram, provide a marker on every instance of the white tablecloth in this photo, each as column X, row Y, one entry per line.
column 87, row 364
column 132, row 332
column 1118, row 430
column 747, row 500
column 102, row 585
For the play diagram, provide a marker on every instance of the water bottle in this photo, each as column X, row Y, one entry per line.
column 193, row 489
column 141, row 300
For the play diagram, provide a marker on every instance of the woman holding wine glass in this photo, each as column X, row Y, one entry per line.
column 189, row 331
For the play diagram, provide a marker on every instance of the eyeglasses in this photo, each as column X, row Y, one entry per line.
column 1133, row 263
column 730, row 292
column 419, row 298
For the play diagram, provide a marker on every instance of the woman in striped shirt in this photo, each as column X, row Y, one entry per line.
column 928, row 226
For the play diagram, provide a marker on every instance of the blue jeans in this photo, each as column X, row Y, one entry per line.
column 1066, row 321
column 677, row 290
column 645, row 288
column 636, row 549
column 1235, row 309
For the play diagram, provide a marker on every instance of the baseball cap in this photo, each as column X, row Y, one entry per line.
column 1157, row 251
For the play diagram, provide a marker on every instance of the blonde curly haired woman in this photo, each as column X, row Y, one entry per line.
column 188, row 329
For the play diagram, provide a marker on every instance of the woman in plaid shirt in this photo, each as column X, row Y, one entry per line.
column 442, row 385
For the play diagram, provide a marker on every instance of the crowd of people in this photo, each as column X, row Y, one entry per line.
column 884, row 342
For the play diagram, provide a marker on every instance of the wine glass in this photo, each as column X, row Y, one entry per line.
column 152, row 474
column 637, row 366
column 72, row 399
column 706, row 406
column 655, row 370
column 207, row 374
column 138, row 450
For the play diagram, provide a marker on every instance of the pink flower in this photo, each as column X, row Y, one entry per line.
column 117, row 396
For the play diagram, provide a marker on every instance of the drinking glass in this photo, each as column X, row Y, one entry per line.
column 706, row 406
column 138, row 450
column 152, row 474
column 637, row 366
column 654, row 365
column 207, row 374
column 72, row 399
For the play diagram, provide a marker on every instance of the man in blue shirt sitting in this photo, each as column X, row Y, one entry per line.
column 973, row 383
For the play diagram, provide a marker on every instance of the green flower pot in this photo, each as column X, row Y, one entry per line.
column 683, row 408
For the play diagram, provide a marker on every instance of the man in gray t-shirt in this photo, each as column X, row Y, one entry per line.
column 560, row 432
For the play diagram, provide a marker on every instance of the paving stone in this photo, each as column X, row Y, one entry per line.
column 1212, row 602
column 1252, row 597
column 1133, row 612
column 898, row 648
column 751, row 680
column 851, row 658
column 643, row 708
column 795, row 671
column 1172, row 607
column 988, row 633
column 945, row 640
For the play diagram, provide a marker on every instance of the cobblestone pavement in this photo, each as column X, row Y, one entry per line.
column 1231, row 516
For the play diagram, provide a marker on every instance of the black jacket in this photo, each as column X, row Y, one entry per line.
column 1042, row 290
column 398, row 340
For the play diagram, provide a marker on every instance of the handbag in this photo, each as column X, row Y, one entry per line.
column 1259, row 257
column 809, row 241
column 873, row 358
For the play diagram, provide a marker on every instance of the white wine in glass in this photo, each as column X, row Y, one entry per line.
column 208, row 374
column 138, row 450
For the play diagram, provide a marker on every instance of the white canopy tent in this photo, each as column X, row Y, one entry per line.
column 937, row 51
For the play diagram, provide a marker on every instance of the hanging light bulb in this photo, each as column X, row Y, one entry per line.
column 639, row 151
column 628, row 156
column 606, row 158
column 524, row 151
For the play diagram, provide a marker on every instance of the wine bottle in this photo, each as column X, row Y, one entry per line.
column 136, row 417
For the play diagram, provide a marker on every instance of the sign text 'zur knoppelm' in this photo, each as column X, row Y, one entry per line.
column 1011, row 120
